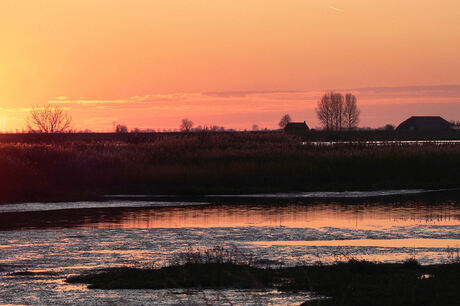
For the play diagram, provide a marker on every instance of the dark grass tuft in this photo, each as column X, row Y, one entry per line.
column 23, row 273
column 202, row 276
column 366, row 283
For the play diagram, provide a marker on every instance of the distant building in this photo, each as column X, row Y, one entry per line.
column 424, row 123
column 296, row 128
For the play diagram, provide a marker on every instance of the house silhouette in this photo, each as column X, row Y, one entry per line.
column 296, row 128
column 424, row 123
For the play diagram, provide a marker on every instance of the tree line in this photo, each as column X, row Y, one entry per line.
column 334, row 110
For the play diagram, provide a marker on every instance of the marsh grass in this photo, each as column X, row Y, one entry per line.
column 453, row 255
column 215, row 255
column 192, row 276
column 350, row 283
column 354, row 282
column 215, row 163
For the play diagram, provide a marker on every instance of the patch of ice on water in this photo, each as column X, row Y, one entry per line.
column 139, row 196
column 314, row 194
column 29, row 207
column 333, row 194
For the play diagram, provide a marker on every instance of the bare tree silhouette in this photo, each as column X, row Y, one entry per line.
column 121, row 128
column 334, row 114
column 48, row 119
column 329, row 111
column 186, row 125
column 284, row 121
column 350, row 112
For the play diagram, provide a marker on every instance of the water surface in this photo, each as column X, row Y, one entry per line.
column 73, row 237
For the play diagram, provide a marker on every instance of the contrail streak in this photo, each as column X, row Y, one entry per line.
column 335, row 9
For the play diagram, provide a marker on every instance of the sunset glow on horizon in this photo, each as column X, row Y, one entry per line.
column 232, row 63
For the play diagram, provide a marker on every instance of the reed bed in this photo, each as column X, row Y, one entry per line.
column 212, row 163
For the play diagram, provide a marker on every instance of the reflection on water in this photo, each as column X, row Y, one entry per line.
column 359, row 216
column 57, row 243
column 295, row 216
column 381, row 143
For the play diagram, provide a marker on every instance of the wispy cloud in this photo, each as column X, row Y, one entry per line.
column 237, row 94
column 64, row 100
column 241, row 109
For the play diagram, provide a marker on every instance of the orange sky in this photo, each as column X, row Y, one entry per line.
column 151, row 63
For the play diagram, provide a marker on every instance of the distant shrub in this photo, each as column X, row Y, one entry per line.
column 121, row 128
column 411, row 263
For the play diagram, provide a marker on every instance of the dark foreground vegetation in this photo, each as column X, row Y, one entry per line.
column 72, row 167
column 351, row 283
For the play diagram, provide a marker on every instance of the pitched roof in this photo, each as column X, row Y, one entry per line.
column 425, row 123
column 296, row 126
